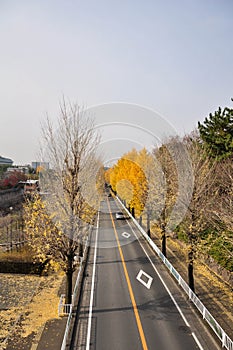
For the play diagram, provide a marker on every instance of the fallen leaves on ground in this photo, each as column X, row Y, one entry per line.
column 43, row 307
column 32, row 299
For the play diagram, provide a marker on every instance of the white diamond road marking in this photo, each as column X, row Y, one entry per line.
column 126, row 234
column 139, row 278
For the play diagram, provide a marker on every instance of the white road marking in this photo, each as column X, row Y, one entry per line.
column 149, row 279
column 126, row 234
column 167, row 289
column 92, row 289
column 161, row 279
column 197, row 341
column 164, row 284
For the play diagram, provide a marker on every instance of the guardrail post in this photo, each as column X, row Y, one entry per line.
column 190, row 294
column 204, row 309
column 179, row 279
column 223, row 339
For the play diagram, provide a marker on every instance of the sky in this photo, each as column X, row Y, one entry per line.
column 170, row 56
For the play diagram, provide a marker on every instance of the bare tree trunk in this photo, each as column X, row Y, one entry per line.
column 163, row 234
column 148, row 224
column 140, row 220
column 190, row 269
column 164, row 242
column 133, row 212
column 81, row 249
column 69, row 275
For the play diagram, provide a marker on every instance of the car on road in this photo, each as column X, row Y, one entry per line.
column 120, row 215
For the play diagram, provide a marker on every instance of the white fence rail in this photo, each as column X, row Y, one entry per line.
column 66, row 309
column 67, row 330
column 221, row 334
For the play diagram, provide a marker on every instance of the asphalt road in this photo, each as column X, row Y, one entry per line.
column 129, row 300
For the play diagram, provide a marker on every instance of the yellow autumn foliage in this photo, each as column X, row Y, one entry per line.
column 128, row 179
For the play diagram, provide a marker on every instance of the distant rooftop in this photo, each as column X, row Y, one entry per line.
column 5, row 161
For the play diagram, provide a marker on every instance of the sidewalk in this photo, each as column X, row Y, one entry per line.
column 52, row 335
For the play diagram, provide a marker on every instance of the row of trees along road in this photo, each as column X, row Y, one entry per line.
column 152, row 184
column 155, row 186
column 57, row 223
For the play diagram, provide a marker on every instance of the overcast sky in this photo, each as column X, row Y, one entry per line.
column 174, row 56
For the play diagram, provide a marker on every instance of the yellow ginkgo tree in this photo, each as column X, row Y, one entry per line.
column 128, row 180
column 153, row 186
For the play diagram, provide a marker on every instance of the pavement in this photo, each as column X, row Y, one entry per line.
column 52, row 335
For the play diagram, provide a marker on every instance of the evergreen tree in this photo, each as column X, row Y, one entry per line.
column 217, row 133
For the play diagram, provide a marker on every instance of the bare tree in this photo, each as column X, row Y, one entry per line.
column 222, row 212
column 224, row 193
column 188, row 194
column 199, row 209
column 70, row 184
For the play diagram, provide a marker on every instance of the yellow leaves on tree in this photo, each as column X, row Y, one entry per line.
column 128, row 179
column 42, row 234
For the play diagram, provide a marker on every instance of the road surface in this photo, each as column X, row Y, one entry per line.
column 129, row 301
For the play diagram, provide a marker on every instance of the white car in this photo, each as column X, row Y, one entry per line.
column 119, row 215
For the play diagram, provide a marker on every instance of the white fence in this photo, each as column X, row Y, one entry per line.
column 225, row 340
column 67, row 330
column 66, row 309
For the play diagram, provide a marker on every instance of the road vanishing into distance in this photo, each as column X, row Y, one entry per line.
column 129, row 301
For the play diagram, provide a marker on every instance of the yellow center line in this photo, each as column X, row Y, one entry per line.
column 136, row 313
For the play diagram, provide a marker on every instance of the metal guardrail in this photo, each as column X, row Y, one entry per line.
column 67, row 330
column 214, row 325
column 66, row 309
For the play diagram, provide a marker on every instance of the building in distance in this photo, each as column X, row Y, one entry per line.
column 6, row 161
